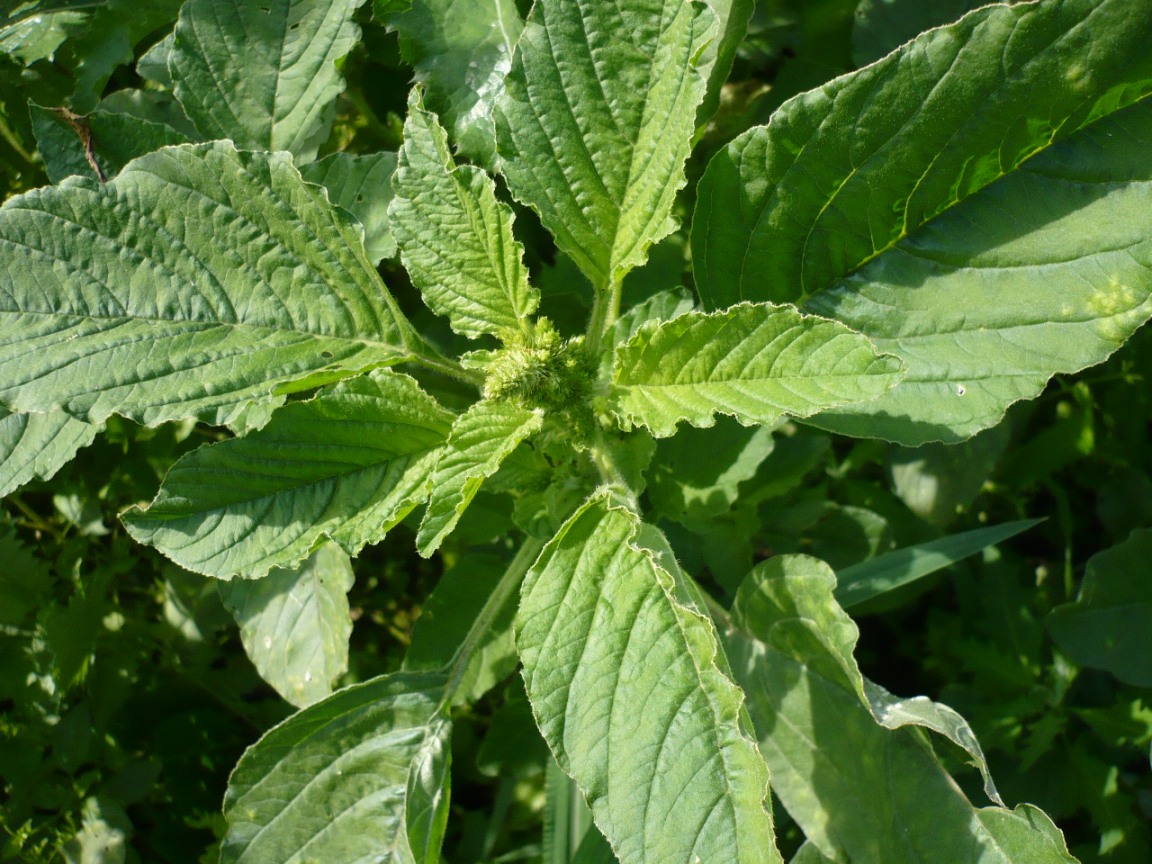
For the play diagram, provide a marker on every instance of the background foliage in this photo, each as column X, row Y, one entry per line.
column 126, row 692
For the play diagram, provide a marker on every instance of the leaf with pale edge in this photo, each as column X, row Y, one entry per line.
column 977, row 203
column 348, row 465
column 37, row 445
column 200, row 280
column 1108, row 625
column 627, row 688
column 295, row 624
column 262, row 74
column 461, row 58
column 597, row 120
column 756, row 362
column 362, row 185
column 360, row 776
column 481, row 439
column 455, row 238
column 858, row 790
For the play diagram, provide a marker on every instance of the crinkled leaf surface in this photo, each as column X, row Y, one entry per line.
column 262, row 73
column 481, row 439
column 461, row 51
column 199, row 280
column 1108, row 625
column 349, row 465
column 455, row 238
column 755, row 362
column 362, row 185
column 625, row 685
column 295, row 624
column 360, row 776
column 859, row 791
column 976, row 202
column 37, row 445
column 596, row 121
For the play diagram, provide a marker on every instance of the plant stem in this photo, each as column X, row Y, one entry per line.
column 508, row 585
column 451, row 368
column 605, row 461
column 605, row 311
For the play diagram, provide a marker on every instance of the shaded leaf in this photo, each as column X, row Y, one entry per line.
column 455, row 238
column 626, row 687
column 262, row 74
column 986, row 180
column 200, row 279
column 754, row 362
column 1108, row 625
column 295, row 624
column 362, row 185
column 596, row 122
column 361, row 775
column 36, row 446
column 348, row 465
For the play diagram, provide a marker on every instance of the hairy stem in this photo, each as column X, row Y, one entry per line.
column 605, row 311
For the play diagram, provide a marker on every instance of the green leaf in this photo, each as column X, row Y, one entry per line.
column 868, row 579
column 596, row 122
column 754, row 362
column 38, row 445
column 663, row 306
column 153, row 63
column 347, row 465
column 858, row 790
column 481, row 439
column 975, row 202
column 446, row 619
column 461, row 59
column 881, row 26
column 625, row 684
column 33, row 31
column 455, row 238
column 716, row 61
column 362, row 185
column 197, row 281
column 115, row 140
column 263, row 74
column 1108, row 625
column 359, row 776
column 295, row 624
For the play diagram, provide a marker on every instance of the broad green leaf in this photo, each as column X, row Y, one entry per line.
column 114, row 139
column 627, row 689
column 861, row 582
column 347, row 465
column 596, row 122
column 360, row 776
column 37, row 445
column 755, row 362
column 461, row 56
column 976, row 203
column 663, row 306
column 716, row 61
column 199, row 280
column 153, row 63
column 881, row 26
column 154, row 106
column 33, row 31
column 481, row 439
column 295, row 624
column 858, row 790
column 455, row 238
column 362, row 185
column 263, row 74
column 445, row 622
column 1108, row 625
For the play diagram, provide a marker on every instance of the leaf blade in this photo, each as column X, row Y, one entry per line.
column 38, row 445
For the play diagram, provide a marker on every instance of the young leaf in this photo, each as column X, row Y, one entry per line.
column 596, row 122
column 263, row 74
column 481, row 439
column 362, row 775
column 1108, row 625
column 626, row 689
column 860, row 787
column 974, row 202
column 755, row 362
column 200, row 279
column 461, row 60
column 348, row 465
column 295, row 624
column 455, row 238
column 38, row 445
column 362, row 186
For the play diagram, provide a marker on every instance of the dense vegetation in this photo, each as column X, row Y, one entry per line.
column 740, row 365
